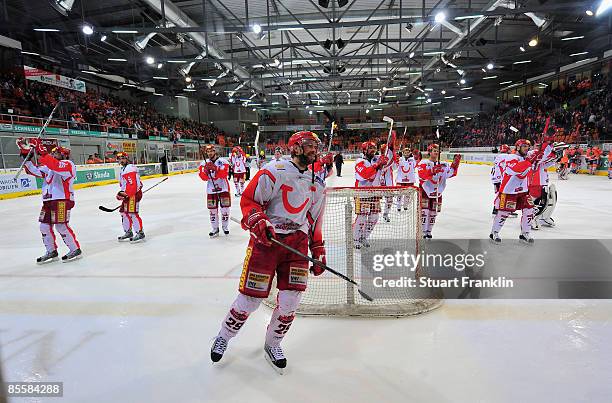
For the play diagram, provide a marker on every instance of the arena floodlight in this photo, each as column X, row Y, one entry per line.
column 62, row 6
column 142, row 42
column 440, row 17
column 604, row 6
column 87, row 29
column 257, row 28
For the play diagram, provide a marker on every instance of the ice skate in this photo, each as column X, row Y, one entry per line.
column 386, row 217
column 70, row 256
column 549, row 222
column 126, row 237
column 218, row 349
column 494, row 238
column 214, row 233
column 47, row 257
column 276, row 358
column 138, row 237
column 526, row 239
column 226, row 231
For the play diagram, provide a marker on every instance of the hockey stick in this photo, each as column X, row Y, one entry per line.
column 391, row 121
column 109, row 210
column 315, row 261
column 40, row 133
column 331, row 136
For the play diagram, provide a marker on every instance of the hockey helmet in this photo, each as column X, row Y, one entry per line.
column 64, row 151
column 433, row 146
column 300, row 138
column 367, row 144
column 122, row 154
column 522, row 142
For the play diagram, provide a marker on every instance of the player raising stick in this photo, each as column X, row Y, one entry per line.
column 497, row 172
column 433, row 174
column 368, row 171
column 514, row 192
column 58, row 174
column 281, row 202
column 215, row 171
column 386, row 177
column 130, row 196
column 406, row 175
column 238, row 162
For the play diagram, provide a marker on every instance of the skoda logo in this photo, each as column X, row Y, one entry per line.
column 89, row 175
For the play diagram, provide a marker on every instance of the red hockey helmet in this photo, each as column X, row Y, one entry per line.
column 504, row 148
column 367, row 144
column 522, row 142
column 64, row 151
column 300, row 137
column 122, row 154
column 433, row 146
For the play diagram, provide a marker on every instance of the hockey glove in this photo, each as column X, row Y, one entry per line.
column 210, row 167
column 437, row 169
column 382, row 161
column 261, row 228
column 40, row 149
column 122, row 195
column 318, row 252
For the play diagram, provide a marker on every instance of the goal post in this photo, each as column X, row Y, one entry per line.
column 353, row 229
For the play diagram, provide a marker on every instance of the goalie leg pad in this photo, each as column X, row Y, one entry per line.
column 282, row 317
column 550, row 202
column 239, row 312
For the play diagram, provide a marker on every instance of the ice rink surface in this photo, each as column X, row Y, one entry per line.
column 134, row 323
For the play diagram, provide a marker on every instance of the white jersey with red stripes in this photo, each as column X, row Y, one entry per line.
column 539, row 175
column 499, row 165
column 287, row 196
column 216, row 180
column 516, row 175
column 434, row 183
column 406, row 170
column 365, row 173
column 57, row 177
column 238, row 162
column 129, row 179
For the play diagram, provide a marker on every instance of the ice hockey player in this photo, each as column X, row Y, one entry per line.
column 433, row 174
column 592, row 159
column 238, row 163
column 130, row 194
column 514, row 191
column 58, row 174
column 368, row 170
column 563, row 169
column 324, row 167
column 283, row 203
column 406, row 175
column 497, row 172
column 543, row 193
column 386, row 178
column 214, row 170
column 278, row 154
column 261, row 159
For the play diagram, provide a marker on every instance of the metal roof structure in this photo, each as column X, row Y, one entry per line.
column 337, row 53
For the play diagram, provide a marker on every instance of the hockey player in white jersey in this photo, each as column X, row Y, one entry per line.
column 386, row 177
column 280, row 202
column 514, row 191
column 433, row 174
column 58, row 174
column 130, row 195
column 238, row 163
column 368, row 171
column 214, row 171
column 406, row 175
column 499, row 165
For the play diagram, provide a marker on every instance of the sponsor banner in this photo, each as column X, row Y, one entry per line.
column 177, row 166
column 129, row 147
column 23, row 183
column 94, row 175
column 149, row 169
column 58, row 80
column 193, row 164
column 112, row 145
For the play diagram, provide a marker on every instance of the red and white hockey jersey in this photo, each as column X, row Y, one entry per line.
column 288, row 197
column 238, row 162
column 499, row 165
column 538, row 175
column 433, row 183
column 217, row 180
column 57, row 175
column 322, row 171
column 129, row 180
column 406, row 170
column 366, row 175
column 515, row 179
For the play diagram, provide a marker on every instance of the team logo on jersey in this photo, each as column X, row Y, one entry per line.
column 286, row 189
column 404, row 170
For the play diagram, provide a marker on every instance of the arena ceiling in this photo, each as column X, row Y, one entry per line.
column 298, row 53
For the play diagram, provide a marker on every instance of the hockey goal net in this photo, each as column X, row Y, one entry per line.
column 346, row 246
